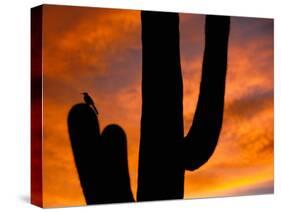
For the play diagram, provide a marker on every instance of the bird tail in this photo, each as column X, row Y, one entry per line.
column 95, row 109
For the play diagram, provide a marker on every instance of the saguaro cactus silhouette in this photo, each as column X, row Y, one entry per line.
column 164, row 152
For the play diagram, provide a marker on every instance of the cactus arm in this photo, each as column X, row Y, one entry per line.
column 115, row 165
column 84, row 133
column 202, row 138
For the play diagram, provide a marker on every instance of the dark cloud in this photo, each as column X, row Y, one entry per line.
column 262, row 188
column 250, row 104
column 245, row 30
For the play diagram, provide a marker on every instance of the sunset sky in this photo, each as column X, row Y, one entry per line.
column 99, row 51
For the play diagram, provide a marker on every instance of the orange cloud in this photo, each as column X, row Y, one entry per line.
column 76, row 39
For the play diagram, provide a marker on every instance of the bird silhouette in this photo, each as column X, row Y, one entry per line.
column 89, row 101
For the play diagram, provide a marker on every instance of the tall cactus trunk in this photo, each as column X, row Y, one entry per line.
column 164, row 151
column 161, row 172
